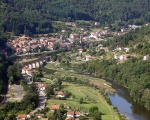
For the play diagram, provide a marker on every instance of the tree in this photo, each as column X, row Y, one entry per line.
column 10, row 71
column 59, row 84
column 50, row 115
column 92, row 109
column 11, row 80
column 94, row 113
column 56, row 46
column 49, row 91
column 81, row 100
column 11, row 117
column 17, row 69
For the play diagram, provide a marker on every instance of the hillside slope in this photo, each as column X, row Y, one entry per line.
column 35, row 15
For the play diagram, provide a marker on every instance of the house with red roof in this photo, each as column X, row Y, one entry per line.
column 54, row 107
column 43, row 87
column 21, row 117
column 61, row 94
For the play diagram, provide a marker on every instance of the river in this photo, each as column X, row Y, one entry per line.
column 122, row 100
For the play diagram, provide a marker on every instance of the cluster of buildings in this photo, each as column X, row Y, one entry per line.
column 121, row 57
column 25, row 44
column 70, row 115
column 28, row 69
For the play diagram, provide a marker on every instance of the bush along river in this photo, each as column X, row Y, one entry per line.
column 125, row 104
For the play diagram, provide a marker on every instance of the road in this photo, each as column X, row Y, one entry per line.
column 42, row 95
column 42, row 101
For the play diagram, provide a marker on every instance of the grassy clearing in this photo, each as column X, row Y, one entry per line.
column 102, row 84
column 28, row 60
column 91, row 97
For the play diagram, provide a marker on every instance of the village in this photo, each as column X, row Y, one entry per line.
column 24, row 45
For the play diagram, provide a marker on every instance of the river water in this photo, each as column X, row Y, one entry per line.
column 122, row 100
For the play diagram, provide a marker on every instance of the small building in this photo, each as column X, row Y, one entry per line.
column 24, row 70
column 88, row 57
column 43, row 87
column 70, row 118
column 116, row 56
column 29, row 116
column 61, row 94
column 54, row 107
column 146, row 57
column 73, row 114
column 94, row 35
column 126, row 49
column 33, row 65
column 21, row 117
column 44, row 118
column 123, row 57
column 74, row 36
column 37, row 64
column 39, row 115
column 80, row 50
column 30, row 66
column 41, row 62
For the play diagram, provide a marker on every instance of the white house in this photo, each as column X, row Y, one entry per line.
column 41, row 63
column 120, row 57
column 93, row 35
column 116, row 56
column 119, row 48
column 37, row 64
column 80, row 50
column 123, row 57
column 39, row 115
column 88, row 57
column 30, row 66
column 33, row 65
column 146, row 57
column 29, row 72
column 126, row 49
column 24, row 70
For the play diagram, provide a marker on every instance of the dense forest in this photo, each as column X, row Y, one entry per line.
column 36, row 16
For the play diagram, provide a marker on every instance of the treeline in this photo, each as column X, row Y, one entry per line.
column 34, row 16
column 133, row 73
column 4, row 63
column 9, row 73
column 137, row 39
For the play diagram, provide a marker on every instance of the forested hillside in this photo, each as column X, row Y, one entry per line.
column 34, row 16
column 134, row 73
column 138, row 40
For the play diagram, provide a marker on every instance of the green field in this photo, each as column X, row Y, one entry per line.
column 91, row 97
